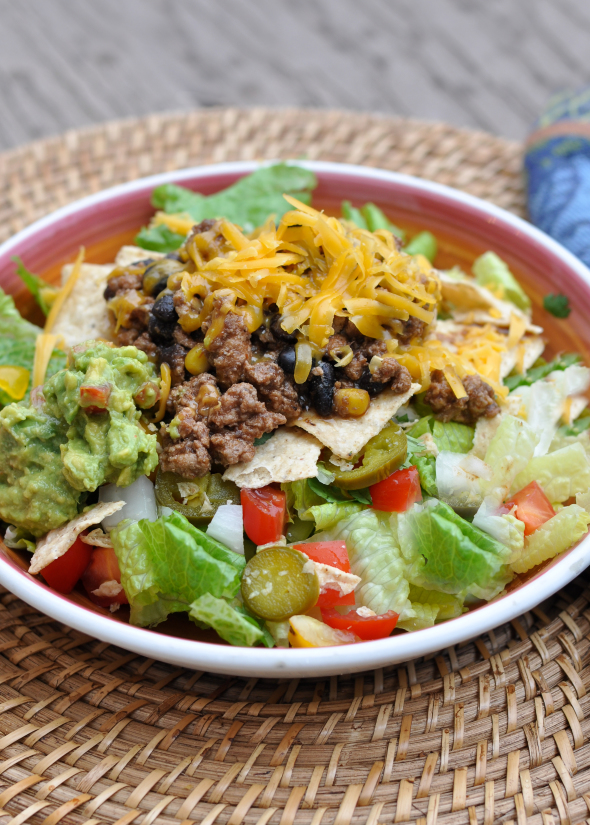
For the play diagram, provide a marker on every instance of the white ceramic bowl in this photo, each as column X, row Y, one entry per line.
column 467, row 223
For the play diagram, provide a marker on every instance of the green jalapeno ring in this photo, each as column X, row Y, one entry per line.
column 384, row 454
column 279, row 582
column 202, row 510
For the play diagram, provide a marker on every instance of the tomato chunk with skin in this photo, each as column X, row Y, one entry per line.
column 103, row 567
column 532, row 507
column 63, row 573
column 398, row 492
column 335, row 554
column 264, row 512
column 95, row 398
column 366, row 628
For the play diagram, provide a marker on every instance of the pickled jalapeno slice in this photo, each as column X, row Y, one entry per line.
column 384, row 454
column 279, row 582
column 209, row 493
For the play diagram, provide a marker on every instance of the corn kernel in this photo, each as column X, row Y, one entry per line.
column 351, row 402
column 196, row 360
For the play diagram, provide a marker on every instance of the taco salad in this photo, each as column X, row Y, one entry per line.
column 291, row 427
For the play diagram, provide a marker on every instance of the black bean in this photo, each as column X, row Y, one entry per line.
column 286, row 360
column 164, row 309
column 174, row 256
column 279, row 332
column 160, row 332
column 321, row 388
column 156, row 275
column 366, row 382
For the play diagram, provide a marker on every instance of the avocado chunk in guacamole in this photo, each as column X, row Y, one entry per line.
column 86, row 433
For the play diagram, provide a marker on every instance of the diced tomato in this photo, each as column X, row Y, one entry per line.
column 95, row 398
column 398, row 492
column 63, row 573
column 335, row 554
column 103, row 568
column 264, row 513
column 365, row 627
column 532, row 507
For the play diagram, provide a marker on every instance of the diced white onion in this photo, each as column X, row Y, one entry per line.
column 139, row 498
column 227, row 526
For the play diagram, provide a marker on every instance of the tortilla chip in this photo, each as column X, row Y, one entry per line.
column 84, row 314
column 474, row 304
column 97, row 538
column 288, row 456
column 130, row 254
column 58, row 541
column 523, row 355
column 347, row 436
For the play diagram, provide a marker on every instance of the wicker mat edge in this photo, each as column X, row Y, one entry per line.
column 492, row 730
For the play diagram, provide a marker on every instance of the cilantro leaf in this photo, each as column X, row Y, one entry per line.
column 558, row 305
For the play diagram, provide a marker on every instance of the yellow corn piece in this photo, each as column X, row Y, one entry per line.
column 305, row 631
column 14, row 381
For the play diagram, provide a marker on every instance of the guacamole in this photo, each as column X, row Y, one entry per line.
column 86, row 434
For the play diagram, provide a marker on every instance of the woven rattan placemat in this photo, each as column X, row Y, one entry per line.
column 491, row 730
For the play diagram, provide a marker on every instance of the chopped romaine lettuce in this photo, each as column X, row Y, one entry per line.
column 248, row 202
column 375, row 556
column 553, row 537
column 491, row 272
column 561, row 474
column 503, row 527
column 168, row 564
column 17, row 344
column 279, row 632
column 424, row 243
column 159, row 238
column 458, row 479
column 456, row 438
column 430, row 606
column 426, row 466
column 376, row 219
column 544, row 401
column 41, row 291
column 457, row 558
column 229, row 622
column 542, row 370
column 351, row 213
column 509, row 451
column 328, row 515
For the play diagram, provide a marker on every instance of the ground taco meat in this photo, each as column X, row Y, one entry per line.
column 478, row 403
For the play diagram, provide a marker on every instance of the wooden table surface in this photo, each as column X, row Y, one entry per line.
column 489, row 64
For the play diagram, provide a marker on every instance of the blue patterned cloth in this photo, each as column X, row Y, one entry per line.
column 557, row 172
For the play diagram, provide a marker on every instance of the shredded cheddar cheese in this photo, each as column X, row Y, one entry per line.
column 313, row 268
column 44, row 346
column 64, row 292
column 165, row 390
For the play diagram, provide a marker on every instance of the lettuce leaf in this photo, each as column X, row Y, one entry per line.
column 248, row 202
column 159, row 238
column 17, row 344
column 544, row 401
column 457, row 558
column 508, row 453
column 491, row 272
column 451, row 436
column 561, row 474
column 424, row 243
column 426, row 466
column 328, row 515
column 430, row 606
column 553, row 537
column 232, row 624
column 41, row 291
column 542, row 370
column 168, row 564
column 375, row 556
column 503, row 527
